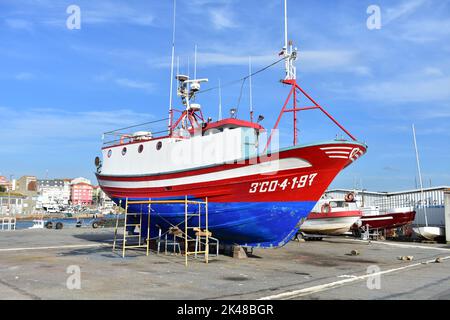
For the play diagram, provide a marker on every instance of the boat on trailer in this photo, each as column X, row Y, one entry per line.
column 256, row 193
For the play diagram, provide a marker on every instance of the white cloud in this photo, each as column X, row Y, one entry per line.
column 423, row 31
column 125, row 82
column 431, row 71
column 217, row 59
column 38, row 127
column 114, row 12
column 308, row 61
column 407, row 89
column 146, row 86
column 53, row 14
column 436, row 112
column 404, row 9
column 331, row 60
column 221, row 18
column 19, row 24
column 22, row 76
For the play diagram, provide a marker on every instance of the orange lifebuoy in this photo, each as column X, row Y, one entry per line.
column 123, row 137
column 326, row 208
column 350, row 197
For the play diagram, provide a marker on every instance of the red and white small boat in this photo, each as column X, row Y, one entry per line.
column 335, row 217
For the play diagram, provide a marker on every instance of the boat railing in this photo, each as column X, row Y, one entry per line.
column 140, row 132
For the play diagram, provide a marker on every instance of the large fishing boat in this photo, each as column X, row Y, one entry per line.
column 256, row 193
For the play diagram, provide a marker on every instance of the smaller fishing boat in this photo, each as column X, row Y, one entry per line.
column 429, row 233
column 335, row 217
column 37, row 224
column 393, row 218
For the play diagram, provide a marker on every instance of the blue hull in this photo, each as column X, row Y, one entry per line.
column 255, row 224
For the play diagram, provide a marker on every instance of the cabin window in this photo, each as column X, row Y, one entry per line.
column 124, row 151
column 159, row 145
column 336, row 204
column 141, row 148
column 109, row 153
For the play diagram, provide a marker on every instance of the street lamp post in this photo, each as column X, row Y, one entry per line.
column 9, row 194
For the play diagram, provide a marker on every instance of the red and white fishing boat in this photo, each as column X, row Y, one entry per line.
column 333, row 217
column 257, row 193
column 393, row 218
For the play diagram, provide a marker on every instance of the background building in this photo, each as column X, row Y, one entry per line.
column 54, row 192
column 11, row 203
column 27, row 186
column 81, row 193
column 6, row 185
column 102, row 200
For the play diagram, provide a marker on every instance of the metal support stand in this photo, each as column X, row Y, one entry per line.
column 201, row 231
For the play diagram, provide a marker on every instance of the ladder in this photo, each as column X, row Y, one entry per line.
column 124, row 241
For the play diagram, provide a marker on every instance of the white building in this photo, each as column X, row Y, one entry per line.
column 430, row 200
column 11, row 204
column 53, row 192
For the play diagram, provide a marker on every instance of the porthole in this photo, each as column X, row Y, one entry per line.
column 158, row 145
column 124, row 151
column 109, row 153
column 141, row 148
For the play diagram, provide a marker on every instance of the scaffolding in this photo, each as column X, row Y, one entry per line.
column 135, row 225
column 201, row 235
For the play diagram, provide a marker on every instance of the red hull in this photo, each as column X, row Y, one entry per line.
column 388, row 221
column 327, row 215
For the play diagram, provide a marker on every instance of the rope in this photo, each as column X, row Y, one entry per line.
column 240, row 96
column 136, row 125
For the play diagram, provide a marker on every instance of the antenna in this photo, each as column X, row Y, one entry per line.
column 171, row 69
column 288, row 52
column 420, row 174
column 285, row 26
column 250, row 87
column 195, row 62
column 220, row 100
column 188, row 67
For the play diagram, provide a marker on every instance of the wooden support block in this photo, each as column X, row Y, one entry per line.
column 204, row 234
column 175, row 231
column 239, row 252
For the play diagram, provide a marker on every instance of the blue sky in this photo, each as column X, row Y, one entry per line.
column 61, row 88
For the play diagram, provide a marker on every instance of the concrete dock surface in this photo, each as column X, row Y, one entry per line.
column 42, row 264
